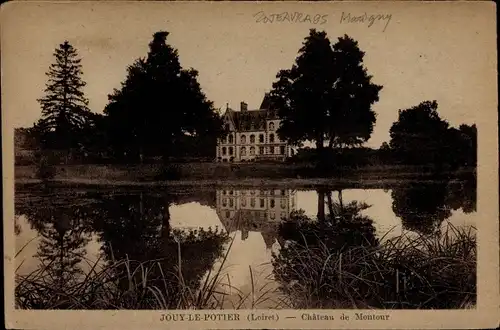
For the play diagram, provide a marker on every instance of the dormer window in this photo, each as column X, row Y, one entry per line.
column 230, row 138
column 271, row 126
column 243, row 139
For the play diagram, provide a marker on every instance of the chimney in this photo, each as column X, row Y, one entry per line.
column 243, row 106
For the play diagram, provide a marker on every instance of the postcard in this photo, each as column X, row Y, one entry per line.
column 250, row 165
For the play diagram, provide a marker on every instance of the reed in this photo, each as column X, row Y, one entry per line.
column 406, row 272
column 410, row 271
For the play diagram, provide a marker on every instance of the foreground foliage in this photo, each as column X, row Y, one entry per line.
column 411, row 271
column 319, row 271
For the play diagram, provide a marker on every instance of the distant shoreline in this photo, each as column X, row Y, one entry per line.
column 251, row 175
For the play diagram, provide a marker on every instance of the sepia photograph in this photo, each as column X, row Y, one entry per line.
column 249, row 156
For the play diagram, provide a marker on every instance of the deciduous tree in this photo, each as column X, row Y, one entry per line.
column 158, row 105
column 327, row 95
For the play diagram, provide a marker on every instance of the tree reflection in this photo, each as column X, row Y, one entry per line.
column 336, row 261
column 144, row 262
column 136, row 228
column 64, row 233
column 62, row 249
column 422, row 207
column 317, row 249
column 462, row 195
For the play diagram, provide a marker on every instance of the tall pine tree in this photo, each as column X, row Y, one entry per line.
column 65, row 112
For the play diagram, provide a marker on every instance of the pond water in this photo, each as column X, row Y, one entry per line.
column 79, row 228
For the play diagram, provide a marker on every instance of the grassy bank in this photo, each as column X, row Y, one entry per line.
column 212, row 173
column 405, row 272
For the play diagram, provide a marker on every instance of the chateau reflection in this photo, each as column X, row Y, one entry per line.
column 255, row 210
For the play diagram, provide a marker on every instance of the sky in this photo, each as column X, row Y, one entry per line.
column 433, row 51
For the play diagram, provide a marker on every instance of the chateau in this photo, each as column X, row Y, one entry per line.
column 252, row 135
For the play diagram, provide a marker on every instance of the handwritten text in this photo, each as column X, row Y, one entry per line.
column 291, row 17
column 365, row 19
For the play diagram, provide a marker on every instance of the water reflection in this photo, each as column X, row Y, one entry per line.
column 423, row 207
column 340, row 229
column 176, row 239
column 336, row 261
column 133, row 228
column 256, row 210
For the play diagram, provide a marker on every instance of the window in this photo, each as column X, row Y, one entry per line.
column 273, row 216
column 261, row 150
column 272, row 203
column 224, row 192
column 243, row 201
column 271, row 192
column 243, row 151
column 262, row 202
column 282, row 192
column 252, row 151
column 231, row 192
column 252, row 202
column 224, row 202
column 283, row 203
column 282, row 150
column 271, row 150
column 271, row 126
column 230, row 150
column 226, row 127
column 227, row 214
column 243, row 139
column 252, row 138
column 261, row 138
column 231, row 138
column 223, row 151
column 231, row 202
column 271, row 137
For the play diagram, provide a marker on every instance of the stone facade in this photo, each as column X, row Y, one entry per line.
column 252, row 135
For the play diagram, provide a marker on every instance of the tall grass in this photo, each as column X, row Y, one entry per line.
column 407, row 272
column 130, row 284
column 118, row 284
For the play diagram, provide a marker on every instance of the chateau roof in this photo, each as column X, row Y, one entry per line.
column 266, row 102
column 252, row 120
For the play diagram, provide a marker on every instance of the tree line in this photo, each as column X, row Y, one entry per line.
column 160, row 110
